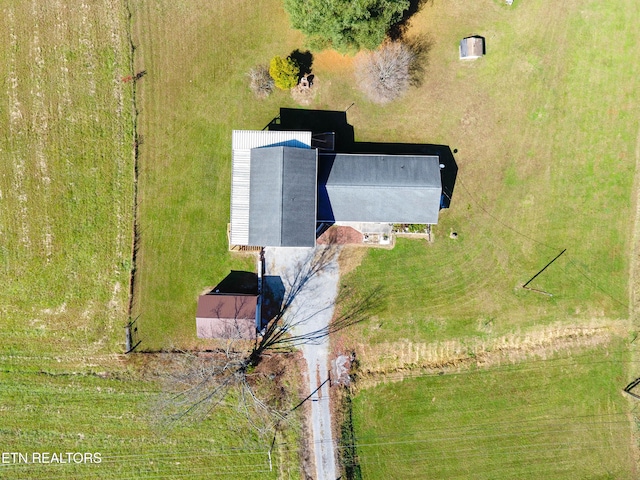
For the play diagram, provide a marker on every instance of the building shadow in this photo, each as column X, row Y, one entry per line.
column 321, row 122
column 318, row 122
column 237, row 283
column 325, row 211
column 448, row 165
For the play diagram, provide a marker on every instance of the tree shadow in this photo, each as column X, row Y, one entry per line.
column 420, row 46
column 304, row 60
column 398, row 31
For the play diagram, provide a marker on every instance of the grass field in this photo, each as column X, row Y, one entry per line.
column 194, row 94
column 540, row 170
column 546, row 140
column 110, row 410
column 563, row 417
column 66, row 218
column 66, row 190
column 546, row 133
column 547, row 144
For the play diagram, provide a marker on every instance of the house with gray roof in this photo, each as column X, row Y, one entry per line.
column 378, row 188
column 282, row 196
column 284, row 185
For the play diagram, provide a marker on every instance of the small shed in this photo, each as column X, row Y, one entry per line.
column 227, row 316
column 472, row 47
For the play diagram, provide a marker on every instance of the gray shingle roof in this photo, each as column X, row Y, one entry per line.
column 379, row 188
column 282, row 200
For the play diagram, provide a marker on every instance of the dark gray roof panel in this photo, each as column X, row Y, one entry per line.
column 379, row 170
column 299, row 198
column 379, row 188
column 380, row 204
column 282, row 200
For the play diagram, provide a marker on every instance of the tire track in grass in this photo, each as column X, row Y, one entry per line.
column 60, row 26
column 88, row 50
column 40, row 126
column 16, row 130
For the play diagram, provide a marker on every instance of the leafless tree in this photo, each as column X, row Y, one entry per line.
column 197, row 383
column 260, row 82
column 200, row 382
column 385, row 74
column 283, row 332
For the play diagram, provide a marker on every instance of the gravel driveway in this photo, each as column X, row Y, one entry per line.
column 314, row 304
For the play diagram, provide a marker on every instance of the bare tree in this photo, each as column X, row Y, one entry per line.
column 202, row 381
column 385, row 74
column 196, row 383
column 260, row 81
column 351, row 307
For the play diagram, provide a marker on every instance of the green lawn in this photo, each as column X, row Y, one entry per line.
column 63, row 411
column 546, row 133
column 540, row 168
column 546, row 136
column 546, row 139
column 194, row 94
column 563, row 417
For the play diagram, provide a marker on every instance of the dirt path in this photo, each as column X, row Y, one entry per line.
column 313, row 304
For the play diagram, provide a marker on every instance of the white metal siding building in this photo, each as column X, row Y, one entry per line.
column 242, row 143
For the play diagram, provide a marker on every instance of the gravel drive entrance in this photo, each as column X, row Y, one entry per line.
column 314, row 304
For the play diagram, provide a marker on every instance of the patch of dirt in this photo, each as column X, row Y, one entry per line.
column 337, row 398
column 272, row 378
column 339, row 235
column 333, row 61
column 350, row 258
column 305, row 95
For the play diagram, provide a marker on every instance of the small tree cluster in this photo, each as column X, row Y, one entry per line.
column 260, row 82
column 345, row 25
column 285, row 72
column 385, row 74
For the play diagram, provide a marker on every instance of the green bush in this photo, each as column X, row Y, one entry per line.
column 285, row 72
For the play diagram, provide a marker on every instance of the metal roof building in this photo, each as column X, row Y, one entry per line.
column 227, row 316
column 378, row 188
column 243, row 141
column 281, row 189
column 472, row 47
column 282, row 197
